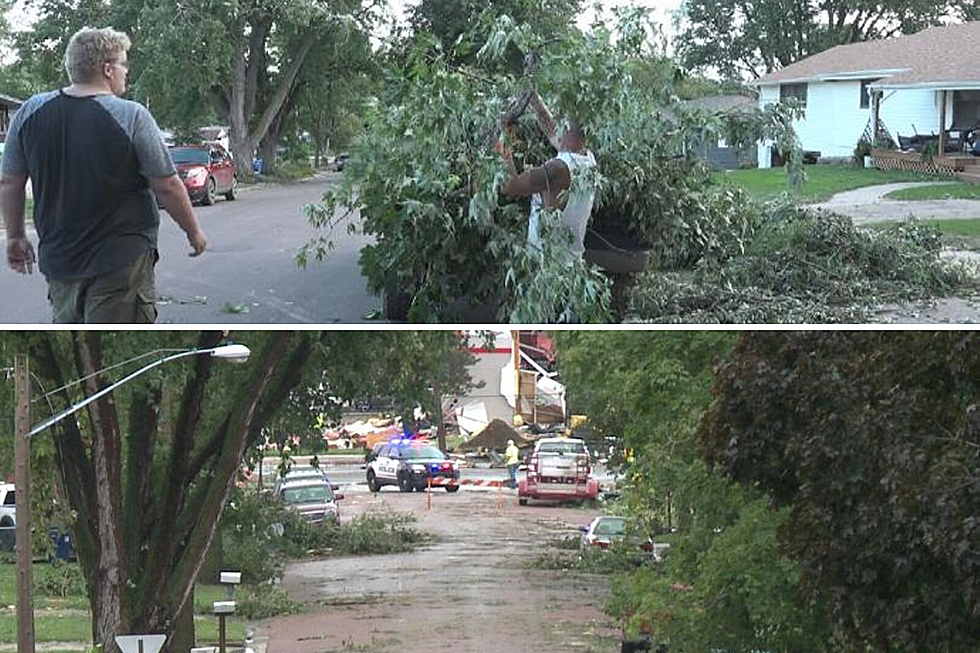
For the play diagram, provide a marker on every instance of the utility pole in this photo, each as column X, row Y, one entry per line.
column 22, row 494
column 515, row 337
column 440, row 419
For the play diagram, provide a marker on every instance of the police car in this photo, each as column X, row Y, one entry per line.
column 410, row 464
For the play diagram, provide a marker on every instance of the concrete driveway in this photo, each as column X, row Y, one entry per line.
column 868, row 204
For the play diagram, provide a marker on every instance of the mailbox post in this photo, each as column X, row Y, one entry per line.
column 224, row 608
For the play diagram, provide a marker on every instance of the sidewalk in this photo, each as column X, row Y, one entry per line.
column 868, row 204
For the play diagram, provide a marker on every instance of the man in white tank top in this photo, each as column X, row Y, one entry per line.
column 571, row 170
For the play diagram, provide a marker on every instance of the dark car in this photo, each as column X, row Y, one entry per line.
column 340, row 162
column 410, row 464
column 207, row 171
column 314, row 499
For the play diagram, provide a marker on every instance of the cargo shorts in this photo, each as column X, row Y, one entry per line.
column 123, row 296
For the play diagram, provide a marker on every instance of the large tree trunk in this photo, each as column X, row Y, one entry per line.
column 245, row 136
column 268, row 148
column 267, row 152
column 109, row 615
column 141, row 543
column 183, row 638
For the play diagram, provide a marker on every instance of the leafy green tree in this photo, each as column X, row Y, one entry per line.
column 868, row 441
column 245, row 64
column 41, row 48
column 749, row 38
column 147, row 469
column 725, row 585
column 449, row 20
column 652, row 393
column 249, row 59
column 331, row 96
column 424, row 178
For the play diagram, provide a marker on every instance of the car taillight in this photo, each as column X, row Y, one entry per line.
column 647, row 546
column 601, row 544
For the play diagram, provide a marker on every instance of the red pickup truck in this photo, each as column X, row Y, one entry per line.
column 559, row 470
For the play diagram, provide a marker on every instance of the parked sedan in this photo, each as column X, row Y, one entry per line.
column 609, row 531
column 313, row 499
column 207, row 171
column 304, row 473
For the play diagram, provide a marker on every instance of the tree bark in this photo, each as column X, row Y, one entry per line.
column 243, row 138
column 209, row 498
column 108, row 608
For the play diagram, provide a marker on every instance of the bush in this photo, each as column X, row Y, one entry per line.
column 804, row 267
column 293, row 170
column 260, row 535
column 378, row 532
column 60, row 579
column 861, row 150
column 262, row 601
column 249, row 539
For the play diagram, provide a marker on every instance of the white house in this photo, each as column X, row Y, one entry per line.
column 915, row 82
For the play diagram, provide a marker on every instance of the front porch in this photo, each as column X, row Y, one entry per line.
column 961, row 166
column 952, row 142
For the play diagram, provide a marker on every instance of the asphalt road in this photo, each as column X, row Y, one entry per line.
column 248, row 275
column 472, row 588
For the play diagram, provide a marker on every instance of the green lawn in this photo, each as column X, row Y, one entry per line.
column 75, row 624
column 344, row 452
column 42, row 572
column 823, row 181
column 957, row 191
column 61, row 628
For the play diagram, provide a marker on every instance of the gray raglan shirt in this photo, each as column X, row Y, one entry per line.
column 89, row 159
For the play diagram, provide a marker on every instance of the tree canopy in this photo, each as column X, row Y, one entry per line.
column 248, row 65
column 147, row 469
column 424, row 179
column 748, row 38
column 870, row 442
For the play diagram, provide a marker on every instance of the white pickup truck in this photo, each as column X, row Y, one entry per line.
column 8, row 508
column 560, row 470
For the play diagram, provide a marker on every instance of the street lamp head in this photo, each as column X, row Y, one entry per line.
column 232, row 353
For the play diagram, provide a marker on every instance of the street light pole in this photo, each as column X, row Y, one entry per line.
column 22, row 497
column 22, row 471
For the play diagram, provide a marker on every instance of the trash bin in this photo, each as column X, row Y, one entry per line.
column 64, row 547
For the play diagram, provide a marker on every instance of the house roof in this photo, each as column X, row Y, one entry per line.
column 722, row 103
column 937, row 57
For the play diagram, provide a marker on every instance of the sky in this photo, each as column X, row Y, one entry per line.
column 663, row 10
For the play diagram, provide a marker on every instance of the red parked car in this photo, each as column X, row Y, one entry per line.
column 207, row 171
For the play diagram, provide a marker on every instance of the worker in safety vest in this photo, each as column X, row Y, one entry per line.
column 512, row 454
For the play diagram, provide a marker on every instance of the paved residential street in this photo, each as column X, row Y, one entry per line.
column 248, row 274
column 470, row 590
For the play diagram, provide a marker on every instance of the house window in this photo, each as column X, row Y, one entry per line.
column 866, row 92
column 795, row 91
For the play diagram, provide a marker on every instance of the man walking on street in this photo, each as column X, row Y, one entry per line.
column 93, row 159
column 512, row 454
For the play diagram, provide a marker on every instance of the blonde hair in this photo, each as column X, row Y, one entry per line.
column 89, row 49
